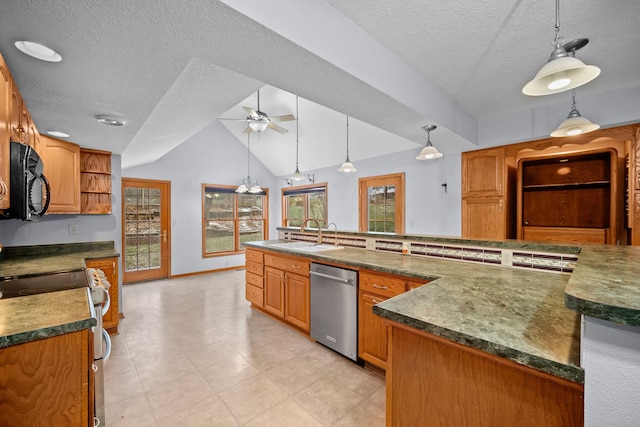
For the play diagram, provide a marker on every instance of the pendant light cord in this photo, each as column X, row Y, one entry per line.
column 557, row 41
column 297, row 121
column 347, row 138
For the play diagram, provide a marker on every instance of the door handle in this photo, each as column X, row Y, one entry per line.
column 164, row 236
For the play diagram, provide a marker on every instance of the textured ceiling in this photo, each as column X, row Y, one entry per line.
column 172, row 68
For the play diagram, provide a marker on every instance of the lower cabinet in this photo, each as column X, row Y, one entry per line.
column 448, row 384
column 372, row 330
column 287, row 290
column 48, row 382
column 109, row 267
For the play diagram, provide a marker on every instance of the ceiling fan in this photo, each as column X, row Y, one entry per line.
column 258, row 121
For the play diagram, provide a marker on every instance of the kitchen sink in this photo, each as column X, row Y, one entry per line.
column 305, row 246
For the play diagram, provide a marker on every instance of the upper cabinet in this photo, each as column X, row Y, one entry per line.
column 483, row 173
column 5, row 133
column 95, row 181
column 62, row 169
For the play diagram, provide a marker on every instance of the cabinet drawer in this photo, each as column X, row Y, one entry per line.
column 254, row 280
column 293, row 265
column 254, row 267
column 255, row 295
column 253, row 256
column 382, row 285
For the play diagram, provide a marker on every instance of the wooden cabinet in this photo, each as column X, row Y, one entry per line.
column 95, row 181
column 19, row 129
column 568, row 198
column 254, row 276
column 287, row 290
column 486, row 200
column 430, row 378
column 48, row 382
column 62, row 169
column 372, row 330
column 483, row 173
column 109, row 267
column 633, row 189
column 5, row 133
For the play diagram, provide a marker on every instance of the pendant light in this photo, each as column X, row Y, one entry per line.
column 249, row 185
column 347, row 166
column 297, row 176
column 562, row 72
column 575, row 123
column 429, row 151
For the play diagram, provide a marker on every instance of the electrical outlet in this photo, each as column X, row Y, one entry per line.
column 370, row 244
column 74, row 229
column 507, row 257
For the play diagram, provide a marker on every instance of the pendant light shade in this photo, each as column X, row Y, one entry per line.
column 562, row 72
column 575, row 124
column 249, row 185
column 429, row 151
column 347, row 166
column 297, row 176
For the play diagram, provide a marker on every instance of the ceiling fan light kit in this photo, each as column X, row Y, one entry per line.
column 429, row 151
column 259, row 121
column 347, row 166
column 562, row 72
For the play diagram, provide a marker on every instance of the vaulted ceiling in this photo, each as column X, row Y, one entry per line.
column 172, row 68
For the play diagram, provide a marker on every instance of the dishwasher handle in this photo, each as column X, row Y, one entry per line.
column 327, row 276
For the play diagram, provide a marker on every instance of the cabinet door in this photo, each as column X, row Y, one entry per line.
column 18, row 131
column 483, row 173
column 297, row 301
column 5, row 133
column 109, row 267
column 62, row 169
column 484, row 218
column 372, row 331
column 274, row 291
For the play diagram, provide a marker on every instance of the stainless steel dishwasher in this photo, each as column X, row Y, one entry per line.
column 334, row 308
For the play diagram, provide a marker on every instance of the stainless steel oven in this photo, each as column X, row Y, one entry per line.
column 99, row 286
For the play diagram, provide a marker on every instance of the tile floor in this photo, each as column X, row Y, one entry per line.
column 191, row 352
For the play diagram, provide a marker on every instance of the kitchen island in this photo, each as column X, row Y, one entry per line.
column 518, row 318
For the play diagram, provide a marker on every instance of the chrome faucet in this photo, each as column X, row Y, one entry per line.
column 335, row 236
column 317, row 225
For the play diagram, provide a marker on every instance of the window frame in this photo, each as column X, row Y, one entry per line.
column 229, row 189
column 304, row 189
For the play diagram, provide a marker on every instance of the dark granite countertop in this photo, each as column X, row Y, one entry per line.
column 24, row 261
column 35, row 317
column 516, row 314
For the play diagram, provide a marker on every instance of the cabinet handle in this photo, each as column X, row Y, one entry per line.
column 375, row 301
column 164, row 236
column 295, row 266
column 375, row 285
column 500, row 206
column 272, row 260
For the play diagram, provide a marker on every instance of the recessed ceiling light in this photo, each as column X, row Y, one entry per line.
column 110, row 120
column 57, row 133
column 38, row 51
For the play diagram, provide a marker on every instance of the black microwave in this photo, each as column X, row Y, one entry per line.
column 29, row 189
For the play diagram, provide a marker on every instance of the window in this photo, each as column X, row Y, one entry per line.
column 304, row 202
column 381, row 203
column 230, row 219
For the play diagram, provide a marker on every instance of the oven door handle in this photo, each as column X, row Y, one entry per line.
column 107, row 345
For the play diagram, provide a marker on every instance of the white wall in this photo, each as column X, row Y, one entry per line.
column 428, row 208
column 611, row 360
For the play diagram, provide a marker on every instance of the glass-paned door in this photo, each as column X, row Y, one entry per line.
column 382, row 204
column 145, row 229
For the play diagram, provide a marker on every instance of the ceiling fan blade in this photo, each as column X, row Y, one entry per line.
column 277, row 128
column 285, row 118
column 235, row 120
column 247, row 130
column 251, row 112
